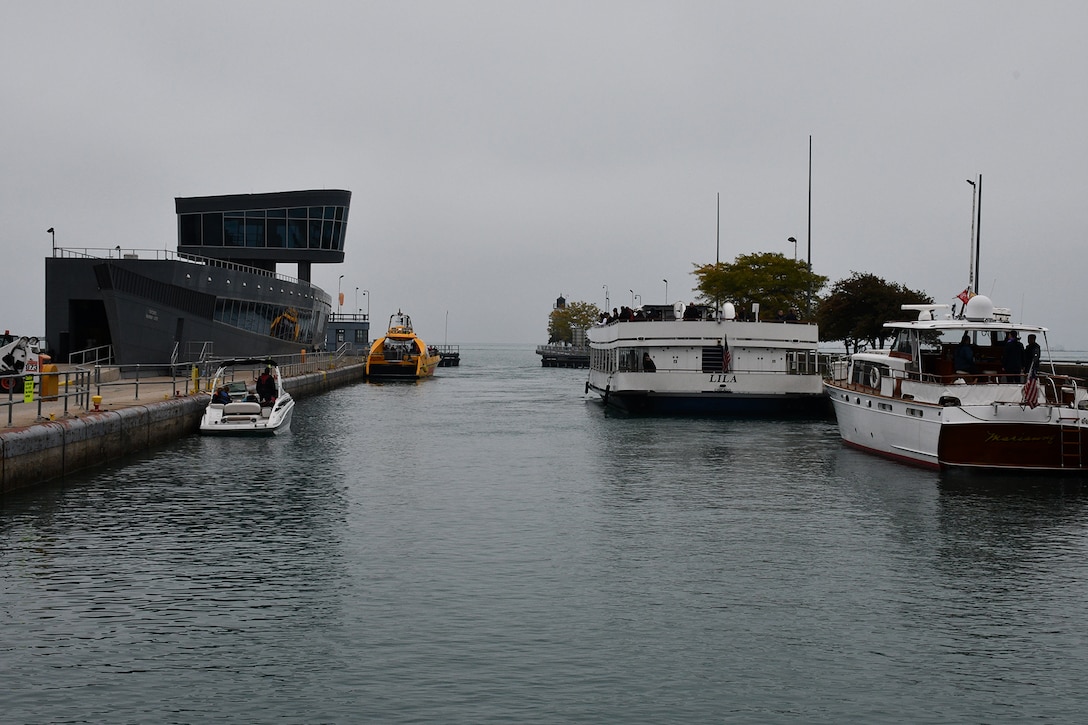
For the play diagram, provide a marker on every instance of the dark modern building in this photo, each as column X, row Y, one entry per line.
column 349, row 332
column 219, row 295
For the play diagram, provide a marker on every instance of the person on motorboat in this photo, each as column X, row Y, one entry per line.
column 266, row 387
column 221, row 396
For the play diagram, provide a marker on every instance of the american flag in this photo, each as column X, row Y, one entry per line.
column 727, row 357
column 1031, row 389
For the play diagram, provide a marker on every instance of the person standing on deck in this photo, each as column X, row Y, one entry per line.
column 1032, row 353
column 1012, row 359
column 964, row 359
column 266, row 387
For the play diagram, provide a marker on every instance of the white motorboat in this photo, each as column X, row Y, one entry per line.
column 911, row 402
column 691, row 359
column 247, row 398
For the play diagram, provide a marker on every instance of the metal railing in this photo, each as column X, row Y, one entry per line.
column 119, row 253
column 41, row 388
column 91, row 356
column 62, row 393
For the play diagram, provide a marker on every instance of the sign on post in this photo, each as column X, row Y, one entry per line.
column 28, row 389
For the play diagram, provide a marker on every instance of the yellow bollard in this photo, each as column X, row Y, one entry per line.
column 49, row 382
column 97, row 400
column 196, row 380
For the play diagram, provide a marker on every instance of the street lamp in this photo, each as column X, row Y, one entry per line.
column 792, row 239
column 54, row 235
column 632, row 297
column 639, row 298
column 339, row 295
column 366, row 293
column 605, row 288
column 357, row 310
column 666, row 290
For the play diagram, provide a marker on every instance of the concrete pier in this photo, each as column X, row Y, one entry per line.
column 42, row 447
column 563, row 356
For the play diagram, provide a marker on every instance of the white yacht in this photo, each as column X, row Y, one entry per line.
column 991, row 408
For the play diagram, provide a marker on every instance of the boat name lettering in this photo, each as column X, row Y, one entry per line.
column 723, row 378
column 999, row 438
column 152, row 314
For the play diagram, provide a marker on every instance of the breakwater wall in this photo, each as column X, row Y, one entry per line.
column 50, row 450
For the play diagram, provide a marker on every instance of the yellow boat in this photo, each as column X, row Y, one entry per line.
column 400, row 354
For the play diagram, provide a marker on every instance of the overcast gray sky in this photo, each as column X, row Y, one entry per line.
column 500, row 154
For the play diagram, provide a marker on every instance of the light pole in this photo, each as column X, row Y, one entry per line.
column 357, row 310
column 632, row 297
column 666, row 290
column 339, row 295
column 366, row 293
column 605, row 288
column 792, row 239
column 639, row 298
column 54, row 235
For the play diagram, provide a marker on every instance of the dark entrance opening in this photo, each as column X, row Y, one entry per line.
column 87, row 326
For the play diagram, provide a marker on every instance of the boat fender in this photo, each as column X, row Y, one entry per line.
column 587, row 388
column 874, row 377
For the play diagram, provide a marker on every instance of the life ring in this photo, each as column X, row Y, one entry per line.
column 874, row 377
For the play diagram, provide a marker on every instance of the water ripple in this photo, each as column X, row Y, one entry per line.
column 491, row 547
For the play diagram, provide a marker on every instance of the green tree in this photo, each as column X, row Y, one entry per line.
column 769, row 278
column 857, row 308
column 563, row 321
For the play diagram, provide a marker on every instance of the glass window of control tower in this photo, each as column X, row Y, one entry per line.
column 254, row 228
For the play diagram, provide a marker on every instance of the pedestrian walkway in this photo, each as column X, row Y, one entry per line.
column 73, row 403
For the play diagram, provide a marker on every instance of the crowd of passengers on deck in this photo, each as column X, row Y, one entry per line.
column 691, row 311
column 1010, row 356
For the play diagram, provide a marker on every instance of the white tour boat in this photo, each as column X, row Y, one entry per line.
column 691, row 359
column 915, row 402
column 247, row 398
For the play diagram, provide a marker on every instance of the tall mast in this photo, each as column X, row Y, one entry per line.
column 978, row 229
column 718, row 232
column 718, row 247
column 971, row 245
column 808, row 312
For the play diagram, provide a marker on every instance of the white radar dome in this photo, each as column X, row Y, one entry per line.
column 729, row 312
column 979, row 308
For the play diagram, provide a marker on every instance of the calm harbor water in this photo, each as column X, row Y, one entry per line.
column 492, row 547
